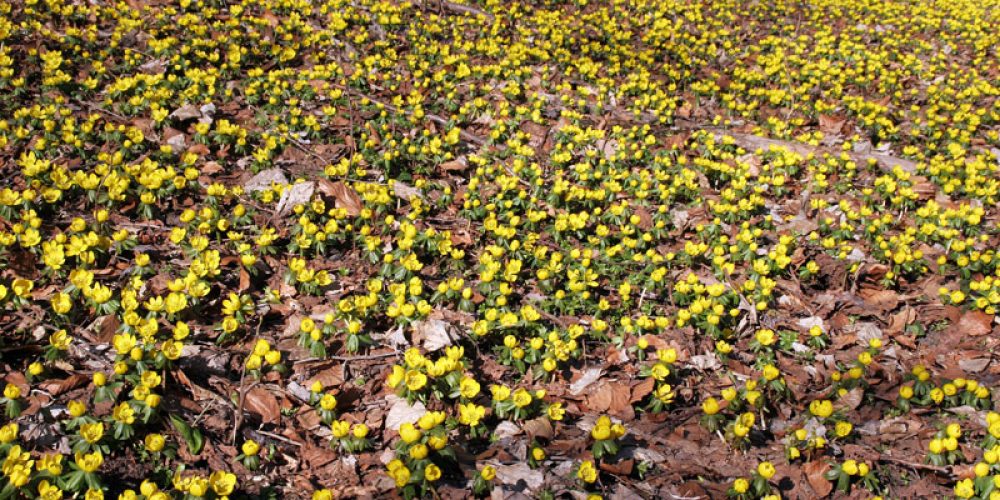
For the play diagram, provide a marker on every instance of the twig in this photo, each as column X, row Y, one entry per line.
column 947, row 471
column 363, row 357
column 238, row 420
column 92, row 107
column 461, row 9
column 279, row 437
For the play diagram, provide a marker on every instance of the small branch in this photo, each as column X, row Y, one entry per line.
column 946, row 471
column 362, row 358
column 238, row 420
column 461, row 9
column 278, row 437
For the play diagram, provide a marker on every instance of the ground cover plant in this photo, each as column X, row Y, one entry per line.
column 380, row 248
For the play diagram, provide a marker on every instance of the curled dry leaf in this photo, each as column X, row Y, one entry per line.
column 433, row 334
column 265, row 179
column 975, row 323
column 589, row 376
column 401, row 412
column 816, row 475
column 299, row 194
column 343, row 195
column 263, row 403
column 519, row 476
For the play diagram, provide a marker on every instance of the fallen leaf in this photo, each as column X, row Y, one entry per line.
column 975, row 323
column 433, row 334
column 851, row 400
column 898, row 321
column 265, row 179
column 881, row 299
column 56, row 387
column 506, row 429
column 299, row 194
column 262, row 402
column 519, row 476
column 186, row 112
column 343, row 195
column 405, row 191
column 401, row 412
column 975, row 365
column 539, row 427
column 456, row 165
column 330, row 377
column 642, row 389
column 589, row 376
column 831, row 124
column 106, row 332
column 815, row 474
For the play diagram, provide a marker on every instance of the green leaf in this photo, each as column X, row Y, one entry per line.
column 192, row 436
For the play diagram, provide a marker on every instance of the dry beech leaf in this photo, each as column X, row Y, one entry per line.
column 589, row 376
column 56, row 387
column 815, row 474
column 263, row 403
column 343, row 195
column 539, row 427
column 975, row 323
column 433, row 334
column 401, row 412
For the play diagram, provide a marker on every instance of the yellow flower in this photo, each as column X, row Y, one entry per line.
column 418, row 451
column 48, row 491
column 710, row 406
column 470, row 414
column 468, row 387
column 555, row 411
column 396, row 377
column 765, row 337
column 821, row 408
column 92, row 432
column 741, row 485
column 522, row 398
column 250, row 448
column 360, row 431
column 8, row 432
column 660, row 371
column 328, row 402
column 401, row 475
column 172, row 349
column 22, row 287
column 587, row 472
column 60, row 340
column 965, row 489
column 61, row 303
column 223, row 483
column 415, row 380
column 323, row 494
column 766, row 470
column 124, row 413
column 500, row 392
column 198, row 487
column 488, row 473
column 340, row 428
column 432, row 472
column 11, row 391
column 89, row 462
column 409, row 433
column 154, row 442
column 76, row 408
column 124, row 342
column 843, row 428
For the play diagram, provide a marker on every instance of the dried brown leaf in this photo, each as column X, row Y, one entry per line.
column 263, row 403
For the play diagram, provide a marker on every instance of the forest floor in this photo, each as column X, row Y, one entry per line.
column 369, row 248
